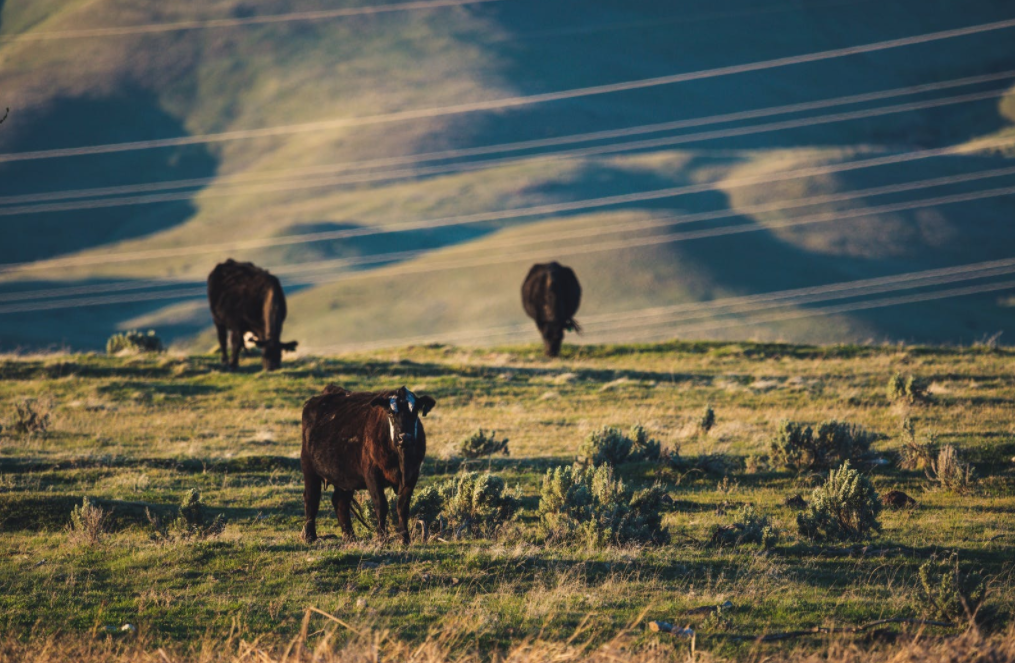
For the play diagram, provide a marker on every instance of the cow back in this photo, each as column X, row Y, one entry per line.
column 245, row 297
column 551, row 292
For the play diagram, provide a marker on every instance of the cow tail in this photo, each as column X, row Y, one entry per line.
column 572, row 325
column 356, row 511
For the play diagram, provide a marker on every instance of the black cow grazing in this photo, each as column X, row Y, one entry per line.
column 245, row 298
column 357, row 440
column 551, row 296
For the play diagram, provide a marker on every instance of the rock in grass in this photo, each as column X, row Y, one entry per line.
column 896, row 499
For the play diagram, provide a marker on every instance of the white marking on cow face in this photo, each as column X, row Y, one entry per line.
column 391, row 424
column 250, row 340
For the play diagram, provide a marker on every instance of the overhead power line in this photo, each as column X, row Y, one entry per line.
column 514, row 213
column 324, row 169
column 178, row 26
column 306, row 268
column 538, row 254
column 510, row 102
column 836, row 292
column 327, row 181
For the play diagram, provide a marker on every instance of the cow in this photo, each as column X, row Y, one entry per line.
column 247, row 299
column 551, row 296
column 357, row 440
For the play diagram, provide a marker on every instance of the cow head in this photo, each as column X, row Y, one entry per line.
column 271, row 352
column 404, row 409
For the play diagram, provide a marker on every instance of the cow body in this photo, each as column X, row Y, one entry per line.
column 247, row 299
column 361, row 440
column 551, row 295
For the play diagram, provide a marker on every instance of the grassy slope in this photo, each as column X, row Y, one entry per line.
column 140, row 432
column 216, row 80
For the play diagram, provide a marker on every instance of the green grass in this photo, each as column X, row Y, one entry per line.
column 139, row 432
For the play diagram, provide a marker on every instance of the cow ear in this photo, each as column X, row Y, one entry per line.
column 381, row 401
column 289, row 347
column 425, row 404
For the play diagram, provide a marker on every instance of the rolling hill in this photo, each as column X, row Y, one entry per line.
column 298, row 141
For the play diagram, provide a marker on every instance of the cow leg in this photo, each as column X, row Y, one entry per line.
column 342, row 501
column 552, row 338
column 223, row 342
column 380, row 506
column 311, row 503
column 237, row 341
column 404, row 498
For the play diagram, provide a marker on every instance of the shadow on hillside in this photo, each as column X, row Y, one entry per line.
column 130, row 114
column 571, row 44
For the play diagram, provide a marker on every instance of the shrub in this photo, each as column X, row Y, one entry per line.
column 707, row 420
column 915, row 454
column 134, row 342
column 194, row 521
column 590, row 506
column 949, row 594
column 609, row 446
column 908, row 389
column 643, row 447
column 798, row 447
column 88, row 522
column 949, row 471
column 480, row 444
column 30, row 418
column 846, row 508
column 470, row 503
column 748, row 526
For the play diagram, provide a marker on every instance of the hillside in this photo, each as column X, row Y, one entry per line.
column 207, row 90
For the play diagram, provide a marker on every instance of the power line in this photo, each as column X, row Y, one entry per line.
column 546, row 253
column 670, row 333
column 514, row 213
column 646, row 224
column 856, row 306
column 510, row 102
column 303, row 183
column 269, row 176
column 151, row 28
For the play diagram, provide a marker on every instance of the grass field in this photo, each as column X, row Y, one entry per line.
column 139, row 432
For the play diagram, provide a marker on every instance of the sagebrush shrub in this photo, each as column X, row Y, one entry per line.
column 644, row 447
column 609, row 446
column 30, row 417
column 907, row 389
column 194, row 521
column 134, row 342
column 480, row 444
column 472, row 503
column 748, row 526
column 88, row 522
column 948, row 470
column 916, row 453
column 948, row 593
column 588, row 505
column 845, row 508
column 799, row 447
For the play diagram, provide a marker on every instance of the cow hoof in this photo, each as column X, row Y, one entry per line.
column 309, row 534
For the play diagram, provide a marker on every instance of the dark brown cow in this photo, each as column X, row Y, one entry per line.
column 551, row 296
column 357, row 440
column 245, row 298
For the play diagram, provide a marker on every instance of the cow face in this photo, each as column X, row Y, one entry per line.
column 271, row 352
column 404, row 409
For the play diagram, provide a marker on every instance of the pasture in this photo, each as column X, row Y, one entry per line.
column 138, row 433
